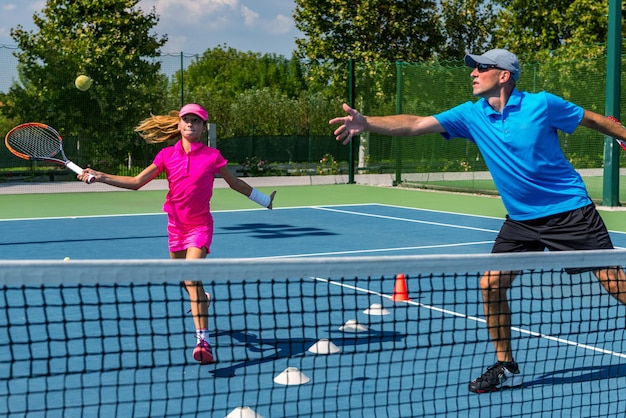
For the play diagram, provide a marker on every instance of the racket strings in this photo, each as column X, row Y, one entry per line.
column 36, row 142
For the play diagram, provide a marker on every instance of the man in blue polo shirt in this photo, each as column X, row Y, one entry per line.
column 546, row 200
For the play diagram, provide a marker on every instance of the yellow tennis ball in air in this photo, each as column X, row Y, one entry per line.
column 66, row 259
column 83, row 82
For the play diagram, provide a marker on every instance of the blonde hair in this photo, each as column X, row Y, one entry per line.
column 159, row 128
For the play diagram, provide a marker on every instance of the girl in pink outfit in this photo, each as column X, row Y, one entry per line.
column 190, row 167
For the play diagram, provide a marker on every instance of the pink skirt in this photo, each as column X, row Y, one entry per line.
column 182, row 237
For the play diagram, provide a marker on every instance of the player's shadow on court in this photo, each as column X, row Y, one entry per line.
column 579, row 374
column 267, row 230
column 274, row 349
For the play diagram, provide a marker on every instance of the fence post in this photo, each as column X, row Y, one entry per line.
column 397, row 141
column 182, row 84
column 610, row 190
column 351, row 102
column 212, row 135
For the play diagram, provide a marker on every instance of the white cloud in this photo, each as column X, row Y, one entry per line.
column 280, row 25
column 196, row 25
column 191, row 9
column 250, row 17
column 192, row 25
column 12, row 15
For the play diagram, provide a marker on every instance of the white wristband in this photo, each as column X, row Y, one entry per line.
column 260, row 198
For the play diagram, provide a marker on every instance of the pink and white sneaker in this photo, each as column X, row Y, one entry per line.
column 203, row 353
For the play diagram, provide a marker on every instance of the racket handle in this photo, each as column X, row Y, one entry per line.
column 621, row 142
column 614, row 119
column 76, row 169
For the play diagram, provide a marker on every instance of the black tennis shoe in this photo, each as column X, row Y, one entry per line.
column 500, row 375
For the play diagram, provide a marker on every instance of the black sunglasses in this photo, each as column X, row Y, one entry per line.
column 486, row 67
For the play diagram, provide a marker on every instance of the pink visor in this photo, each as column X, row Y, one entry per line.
column 194, row 109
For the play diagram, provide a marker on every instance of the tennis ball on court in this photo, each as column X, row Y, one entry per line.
column 66, row 259
column 83, row 82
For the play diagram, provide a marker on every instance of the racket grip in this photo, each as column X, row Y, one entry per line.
column 76, row 169
column 614, row 119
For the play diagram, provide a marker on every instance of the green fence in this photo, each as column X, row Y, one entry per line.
column 430, row 161
column 379, row 89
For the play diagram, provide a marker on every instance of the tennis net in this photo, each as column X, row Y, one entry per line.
column 344, row 336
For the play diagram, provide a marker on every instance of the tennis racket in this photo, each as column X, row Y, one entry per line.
column 621, row 142
column 39, row 142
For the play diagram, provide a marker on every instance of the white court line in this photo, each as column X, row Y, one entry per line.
column 407, row 220
column 431, row 223
column 378, row 250
column 476, row 319
column 50, row 218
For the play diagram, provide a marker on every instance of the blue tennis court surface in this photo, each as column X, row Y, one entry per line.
column 416, row 361
column 291, row 232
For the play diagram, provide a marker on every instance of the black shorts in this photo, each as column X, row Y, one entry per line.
column 579, row 229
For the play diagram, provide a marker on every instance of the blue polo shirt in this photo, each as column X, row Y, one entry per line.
column 521, row 148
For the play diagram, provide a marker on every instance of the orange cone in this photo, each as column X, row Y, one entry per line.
column 400, row 291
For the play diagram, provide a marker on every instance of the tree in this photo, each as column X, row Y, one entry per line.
column 226, row 72
column 547, row 25
column 467, row 26
column 238, row 87
column 369, row 30
column 108, row 40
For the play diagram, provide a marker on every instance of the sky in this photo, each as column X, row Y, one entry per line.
column 193, row 26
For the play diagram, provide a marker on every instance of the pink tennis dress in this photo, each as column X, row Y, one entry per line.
column 190, row 177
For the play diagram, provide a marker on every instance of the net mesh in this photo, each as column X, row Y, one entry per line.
column 354, row 336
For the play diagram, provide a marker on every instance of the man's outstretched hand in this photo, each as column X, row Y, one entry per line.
column 351, row 125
